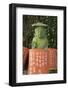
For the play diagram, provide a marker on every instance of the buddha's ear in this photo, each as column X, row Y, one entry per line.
column 35, row 35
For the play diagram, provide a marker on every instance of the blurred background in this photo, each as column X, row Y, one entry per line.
column 28, row 30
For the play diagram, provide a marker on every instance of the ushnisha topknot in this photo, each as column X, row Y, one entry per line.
column 39, row 24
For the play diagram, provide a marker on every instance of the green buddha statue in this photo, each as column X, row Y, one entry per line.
column 40, row 36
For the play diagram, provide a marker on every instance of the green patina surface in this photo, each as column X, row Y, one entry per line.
column 40, row 36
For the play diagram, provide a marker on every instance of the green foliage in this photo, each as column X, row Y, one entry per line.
column 28, row 30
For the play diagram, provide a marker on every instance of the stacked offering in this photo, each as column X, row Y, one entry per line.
column 38, row 61
column 42, row 61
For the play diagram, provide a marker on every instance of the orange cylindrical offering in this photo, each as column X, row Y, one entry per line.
column 25, row 54
column 38, row 61
column 52, row 59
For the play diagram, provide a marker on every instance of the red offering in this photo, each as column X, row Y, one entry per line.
column 38, row 61
column 52, row 59
column 25, row 54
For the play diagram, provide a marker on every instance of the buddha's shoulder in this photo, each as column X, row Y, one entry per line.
column 35, row 39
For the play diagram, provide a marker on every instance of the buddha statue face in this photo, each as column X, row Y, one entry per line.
column 40, row 32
